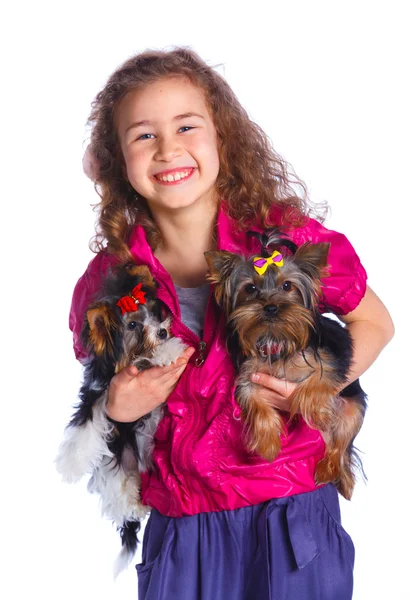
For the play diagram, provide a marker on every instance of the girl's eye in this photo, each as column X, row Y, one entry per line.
column 287, row 286
column 143, row 136
column 132, row 325
column 250, row 288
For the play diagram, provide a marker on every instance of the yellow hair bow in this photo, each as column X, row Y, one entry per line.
column 260, row 264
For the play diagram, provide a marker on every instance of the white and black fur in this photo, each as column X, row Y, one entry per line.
column 115, row 453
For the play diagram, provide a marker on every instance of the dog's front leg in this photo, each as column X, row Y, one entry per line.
column 263, row 423
column 315, row 398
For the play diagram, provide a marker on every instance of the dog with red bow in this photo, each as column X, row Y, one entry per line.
column 126, row 325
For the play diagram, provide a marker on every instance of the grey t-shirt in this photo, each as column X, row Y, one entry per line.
column 193, row 302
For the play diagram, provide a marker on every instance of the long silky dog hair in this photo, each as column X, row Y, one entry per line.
column 126, row 324
column 274, row 326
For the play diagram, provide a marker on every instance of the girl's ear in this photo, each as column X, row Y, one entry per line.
column 90, row 164
column 102, row 324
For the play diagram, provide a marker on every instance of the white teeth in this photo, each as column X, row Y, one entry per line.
column 174, row 177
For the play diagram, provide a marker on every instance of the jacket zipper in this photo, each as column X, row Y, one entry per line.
column 201, row 345
column 200, row 358
column 183, row 453
column 193, row 410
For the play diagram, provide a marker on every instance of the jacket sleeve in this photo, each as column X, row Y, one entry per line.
column 345, row 287
column 84, row 292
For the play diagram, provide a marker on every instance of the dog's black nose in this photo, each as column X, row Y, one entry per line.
column 271, row 310
column 162, row 334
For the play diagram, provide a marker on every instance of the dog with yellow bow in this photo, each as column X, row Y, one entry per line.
column 274, row 326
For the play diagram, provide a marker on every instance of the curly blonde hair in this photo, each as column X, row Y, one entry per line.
column 252, row 178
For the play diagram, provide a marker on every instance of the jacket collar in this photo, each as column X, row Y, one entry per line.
column 229, row 238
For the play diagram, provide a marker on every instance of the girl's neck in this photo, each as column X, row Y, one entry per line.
column 185, row 237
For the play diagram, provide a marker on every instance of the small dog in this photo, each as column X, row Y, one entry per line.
column 274, row 326
column 127, row 325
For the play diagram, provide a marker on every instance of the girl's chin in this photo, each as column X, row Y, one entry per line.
column 176, row 202
column 171, row 206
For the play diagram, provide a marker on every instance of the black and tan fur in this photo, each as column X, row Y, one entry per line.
column 275, row 327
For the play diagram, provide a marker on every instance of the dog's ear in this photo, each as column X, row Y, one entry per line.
column 102, row 323
column 221, row 265
column 312, row 259
column 143, row 273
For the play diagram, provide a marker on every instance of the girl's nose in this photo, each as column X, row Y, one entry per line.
column 168, row 149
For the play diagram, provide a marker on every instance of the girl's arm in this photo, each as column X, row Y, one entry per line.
column 371, row 328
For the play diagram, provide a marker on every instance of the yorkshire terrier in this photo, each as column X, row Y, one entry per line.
column 274, row 326
column 126, row 325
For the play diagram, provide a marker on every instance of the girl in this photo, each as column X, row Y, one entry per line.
column 180, row 170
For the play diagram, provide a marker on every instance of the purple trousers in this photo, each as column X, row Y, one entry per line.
column 292, row 548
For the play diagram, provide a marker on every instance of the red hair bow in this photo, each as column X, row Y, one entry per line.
column 130, row 302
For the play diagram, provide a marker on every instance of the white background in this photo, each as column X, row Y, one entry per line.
column 328, row 83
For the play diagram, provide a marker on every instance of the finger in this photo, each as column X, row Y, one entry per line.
column 188, row 352
column 281, row 386
column 162, row 374
column 132, row 371
column 264, row 380
column 173, row 377
column 127, row 374
column 159, row 373
column 184, row 358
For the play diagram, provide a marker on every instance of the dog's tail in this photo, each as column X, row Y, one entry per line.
column 129, row 537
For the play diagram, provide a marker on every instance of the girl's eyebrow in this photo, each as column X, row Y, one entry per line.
column 177, row 118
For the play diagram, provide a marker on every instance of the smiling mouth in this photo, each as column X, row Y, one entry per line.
column 174, row 178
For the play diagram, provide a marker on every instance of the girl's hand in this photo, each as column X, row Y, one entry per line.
column 275, row 391
column 133, row 394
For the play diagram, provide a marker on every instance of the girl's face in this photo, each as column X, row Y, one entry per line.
column 169, row 144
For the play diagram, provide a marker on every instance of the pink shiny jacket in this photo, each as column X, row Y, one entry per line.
column 201, row 462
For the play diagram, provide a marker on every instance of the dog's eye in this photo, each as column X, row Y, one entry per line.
column 287, row 286
column 132, row 325
column 250, row 288
column 162, row 334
